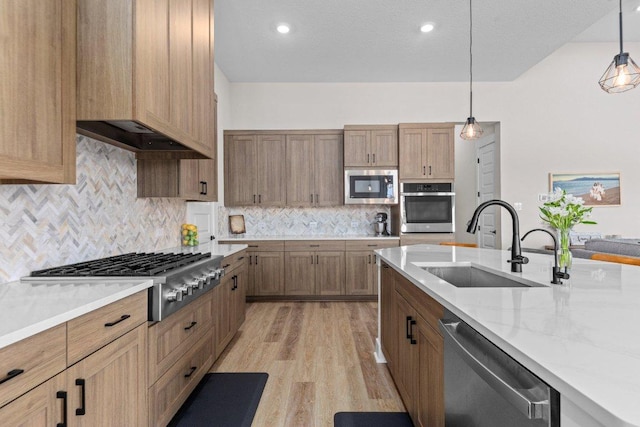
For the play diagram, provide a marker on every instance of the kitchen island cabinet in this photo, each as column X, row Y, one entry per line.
column 415, row 348
column 371, row 146
column 536, row 326
column 145, row 74
column 38, row 120
column 426, row 152
column 43, row 406
column 230, row 299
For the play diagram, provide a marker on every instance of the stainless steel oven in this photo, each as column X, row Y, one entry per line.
column 427, row 208
column 371, row 186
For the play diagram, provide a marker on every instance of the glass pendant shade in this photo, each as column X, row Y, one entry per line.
column 471, row 130
column 622, row 75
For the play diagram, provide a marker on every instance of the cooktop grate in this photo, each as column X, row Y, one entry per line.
column 131, row 264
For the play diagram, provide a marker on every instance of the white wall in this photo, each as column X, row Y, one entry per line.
column 554, row 118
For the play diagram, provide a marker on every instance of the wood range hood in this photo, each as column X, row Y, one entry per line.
column 134, row 136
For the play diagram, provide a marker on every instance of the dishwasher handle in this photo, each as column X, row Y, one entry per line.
column 532, row 409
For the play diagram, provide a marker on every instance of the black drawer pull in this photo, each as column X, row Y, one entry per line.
column 314, row 246
column 226, row 266
column 63, row 395
column 194, row 323
column 82, row 409
column 411, row 339
column 121, row 319
column 253, row 246
column 372, row 246
column 11, row 374
column 191, row 371
column 241, row 258
column 408, row 332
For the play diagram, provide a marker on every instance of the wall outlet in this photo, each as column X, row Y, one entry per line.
column 313, row 224
column 543, row 197
column 517, row 206
column 354, row 224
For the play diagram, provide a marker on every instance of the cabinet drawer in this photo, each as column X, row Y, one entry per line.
column 259, row 245
column 39, row 357
column 234, row 261
column 371, row 245
column 172, row 389
column 88, row 333
column 426, row 306
column 171, row 338
column 314, row 245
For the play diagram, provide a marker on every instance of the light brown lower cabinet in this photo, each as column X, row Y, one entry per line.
column 361, row 267
column 314, row 273
column 414, row 347
column 109, row 387
column 42, row 406
column 230, row 299
column 172, row 389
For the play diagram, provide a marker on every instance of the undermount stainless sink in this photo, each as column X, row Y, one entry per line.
column 473, row 277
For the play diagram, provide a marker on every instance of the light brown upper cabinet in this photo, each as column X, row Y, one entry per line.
column 254, row 171
column 426, row 151
column 145, row 74
column 315, row 169
column 371, row 146
column 38, row 69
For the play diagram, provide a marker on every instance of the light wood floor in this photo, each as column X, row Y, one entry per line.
column 319, row 357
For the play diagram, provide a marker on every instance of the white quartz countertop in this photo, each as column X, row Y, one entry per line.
column 30, row 308
column 582, row 337
column 240, row 238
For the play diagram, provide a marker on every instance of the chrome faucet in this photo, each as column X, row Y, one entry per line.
column 556, row 275
column 516, row 252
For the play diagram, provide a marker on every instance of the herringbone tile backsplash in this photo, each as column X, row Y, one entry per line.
column 48, row 225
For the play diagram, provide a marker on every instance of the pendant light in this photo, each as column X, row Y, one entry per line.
column 471, row 129
column 623, row 74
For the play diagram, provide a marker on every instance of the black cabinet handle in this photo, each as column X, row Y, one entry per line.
column 250, row 256
column 256, row 259
column 373, row 246
column 202, row 190
column 367, row 157
column 193, row 323
column 82, row 409
column 206, row 187
column 408, row 333
column 121, row 319
column 191, row 371
column 226, row 266
column 254, row 198
column 429, row 169
column 259, row 198
column 241, row 258
column 314, row 246
column 424, row 170
column 63, row 395
column 316, row 259
column 369, row 259
column 11, row 374
column 311, row 259
column 312, row 198
column 317, row 199
column 374, row 158
column 411, row 340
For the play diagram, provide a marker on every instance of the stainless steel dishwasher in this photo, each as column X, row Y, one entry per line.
column 485, row 387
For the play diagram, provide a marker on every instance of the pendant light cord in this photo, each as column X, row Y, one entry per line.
column 620, row 17
column 471, row 59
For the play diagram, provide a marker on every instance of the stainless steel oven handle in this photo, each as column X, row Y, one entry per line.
column 531, row 409
column 429, row 194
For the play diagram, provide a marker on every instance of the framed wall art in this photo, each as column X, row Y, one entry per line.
column 596, row 189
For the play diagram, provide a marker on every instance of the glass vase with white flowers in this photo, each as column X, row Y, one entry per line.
column 562, row 211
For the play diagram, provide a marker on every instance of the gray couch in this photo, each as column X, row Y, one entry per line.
column 625, row 247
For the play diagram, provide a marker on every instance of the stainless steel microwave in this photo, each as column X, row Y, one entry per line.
column 370, row 186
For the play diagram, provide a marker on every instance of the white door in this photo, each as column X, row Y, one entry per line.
column 203, row 215
column 489, row 223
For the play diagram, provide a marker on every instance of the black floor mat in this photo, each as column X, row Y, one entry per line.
column 222, row 400
column 372, row 419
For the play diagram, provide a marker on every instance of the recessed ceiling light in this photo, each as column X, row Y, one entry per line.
column 638, row 9
column 283, row 29
column 426, row 28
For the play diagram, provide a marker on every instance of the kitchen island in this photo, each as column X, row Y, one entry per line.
column 580, row 337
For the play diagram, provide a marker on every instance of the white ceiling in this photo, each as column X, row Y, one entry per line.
column 380, row 41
